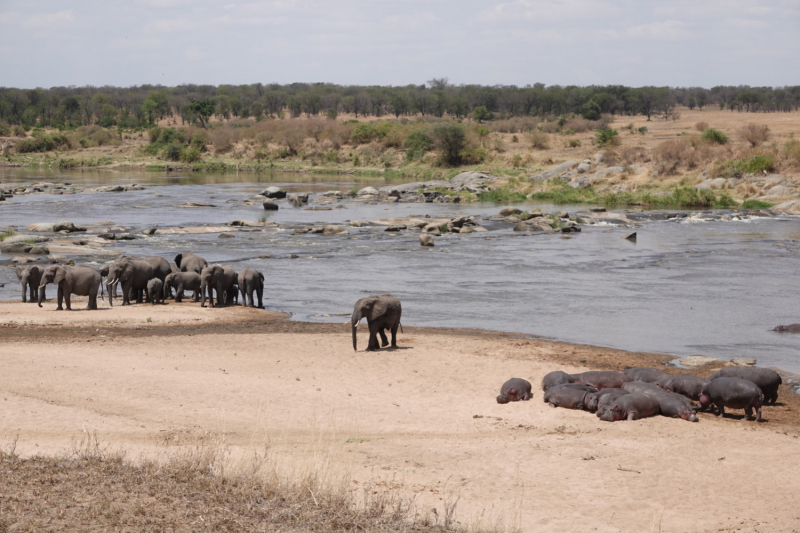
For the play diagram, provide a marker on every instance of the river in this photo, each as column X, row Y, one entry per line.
column 715, row 288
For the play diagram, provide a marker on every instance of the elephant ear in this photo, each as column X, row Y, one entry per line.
column 178, row 259
column 261, row 276
column 377, row 307
column 61, row 275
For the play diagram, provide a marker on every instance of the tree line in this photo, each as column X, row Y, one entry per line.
column 142, row 106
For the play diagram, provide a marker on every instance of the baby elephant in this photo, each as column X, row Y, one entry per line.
column 736, row 393
column 155, row 291
column 514, row 390
column 631, row 406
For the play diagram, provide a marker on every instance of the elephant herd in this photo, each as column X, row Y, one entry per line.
column 641, row 392
column 151, row 279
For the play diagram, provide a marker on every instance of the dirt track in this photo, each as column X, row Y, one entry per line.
column 420, row 419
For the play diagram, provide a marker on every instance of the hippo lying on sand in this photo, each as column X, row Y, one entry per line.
column 648, row 375
column 767, row 380
column 630, row 407
column 736, row 393
column 603, row 397
column 676, row 405
column 602, row 379
column 555, row 378
column 643, row 388
column 689, row 386
column 514, row 390
column 569, row 396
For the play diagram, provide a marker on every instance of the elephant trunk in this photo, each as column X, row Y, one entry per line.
column 41, row 293
column 110, row 291
column 353, row 325
column 203, row 288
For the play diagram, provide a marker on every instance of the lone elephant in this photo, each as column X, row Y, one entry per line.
column 29, row 278
column 382, row 313
column 79, row 280
column 222, row 279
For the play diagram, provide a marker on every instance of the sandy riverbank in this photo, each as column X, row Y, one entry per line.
column 422, row 418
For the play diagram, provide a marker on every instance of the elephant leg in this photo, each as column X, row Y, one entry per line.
column 139, row 297
column 67, row 297
column 384, row 340
column 260, row 294
column 372, row 345
column 34, row 293
column 92, row 301
column 60, row 299
column 179, row 293
column 394, row 334
column 25, row 293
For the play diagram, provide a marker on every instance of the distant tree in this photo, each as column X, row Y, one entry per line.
column 449, row 139
column 481, row 114
column 439, row 84
column 149, row 108
column 398, row 104
column 203, row 109
column 590, row 110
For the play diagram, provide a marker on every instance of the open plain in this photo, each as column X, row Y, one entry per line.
column 420, row 420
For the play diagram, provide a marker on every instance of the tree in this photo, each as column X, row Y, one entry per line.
column 481, row 114
column 449, row 139
column 149, row 108
column 203, row 109
column 398, row 105
column 590, row 110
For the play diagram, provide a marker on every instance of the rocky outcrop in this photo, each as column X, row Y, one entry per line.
column 273, row 192
column 554, row 172
column 24, row 248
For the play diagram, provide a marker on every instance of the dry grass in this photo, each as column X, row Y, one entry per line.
column 754, row 134
column 198, row 489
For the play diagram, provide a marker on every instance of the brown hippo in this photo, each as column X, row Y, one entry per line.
column 568, row 395
column 676, row 405
column 685, row 384
column 631, row 406
column 736, row 393
column 641, row 387
column 766, row 379
column 554, row 378
column 514, row 390
column 602, row 379
column 648, row 375
column 791, row 328
column 604, row 396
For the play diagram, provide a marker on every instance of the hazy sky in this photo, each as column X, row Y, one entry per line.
column 631, row 42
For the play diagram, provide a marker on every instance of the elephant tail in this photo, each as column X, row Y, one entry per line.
column 101, row 291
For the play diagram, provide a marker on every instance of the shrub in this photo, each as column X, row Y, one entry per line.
column 572, row 143
column 189, row 155
column 450, row 140
column 791, row 151
column 758, row 163
column 481, row 114
column 643, row 130
column 417, row 143
column 199, row 141
column 514, row 139
column 755, row 204
column 473, row 155
column 5, row 131
column 173, row 152
column 710, row 135
column 17, row 131
column 154, row 134
column 590, row 110
column 549, row 127
column 754, row 134
column 43, row 143
column 362, row 134
column 501, row 195
column 331, row 114
column 539, row 140
column 669, row 155
column 736, row 168
column 607, row 137
column 701, row 126
column 578, row 125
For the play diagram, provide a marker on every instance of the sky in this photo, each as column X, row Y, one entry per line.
column 679, row 43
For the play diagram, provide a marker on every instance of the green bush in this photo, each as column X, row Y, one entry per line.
column 5, row 131
column 481, row 114
column 607, row 137
column 791, row 151
column 573, row 143
column 755, row 204
column 501, row 196
column 710, row 135
column 591, row 110
column 362, row 134
column 43, row 143
column 450, row 140
column 173, row 152
column 417, row 143
column 188, row 155
column 473, row 156
column 154, row 134
column 758, row 163
column 643, row 130
column 199, row 141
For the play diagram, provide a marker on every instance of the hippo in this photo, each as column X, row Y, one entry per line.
column 766, row 379
column 602, row 379
column 641, row 387
column 736, row 393
column 555, row 378
column 570, row 397
column 676, row 405
column 514, row 390
column 631, row 406
column 605, row 395
column 685, row 384
column 648, row 375
column 791, row 328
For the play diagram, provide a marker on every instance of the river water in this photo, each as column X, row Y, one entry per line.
column 714, row 288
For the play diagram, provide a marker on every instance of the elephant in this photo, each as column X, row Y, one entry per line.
column 134, row 275
column 221, row 279
column 80, row 280
column 161, row 267
column 382, row 313
column 182, row 281
column 155, row 291
column 112, row 292
column 29, row 278
column 250, row 281
column 188, row 262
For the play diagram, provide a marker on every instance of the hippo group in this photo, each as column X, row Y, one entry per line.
column 641, row 392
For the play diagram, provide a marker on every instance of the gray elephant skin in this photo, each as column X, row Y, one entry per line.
column 29, row 278
column 133, row 274
column 182, row 281
column 222, row 279
column 251, row 281
column 155, row 291
column 382, row 312
column 188, row 262
column 112, row 291
column 79, row 280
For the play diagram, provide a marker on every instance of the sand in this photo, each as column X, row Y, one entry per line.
column 419, row 419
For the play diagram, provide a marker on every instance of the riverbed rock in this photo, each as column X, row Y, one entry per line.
column 225, row 236
column 584, row 167
column 298, row 199
column 715, row 183
column 508, row 211
column 695, row 361
column 779, row 191
column 368, row 191
column 333, row 230
column 150, row 231
column 273, row 192
column 630, row 237
column 30, row 239
column 24, row 248
column 425, row 240
column 599, row 157
column 395, row 227
column 269, row 205
column 108, row 236
column 743, row 361
column 42, row 227
column 554, row 172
